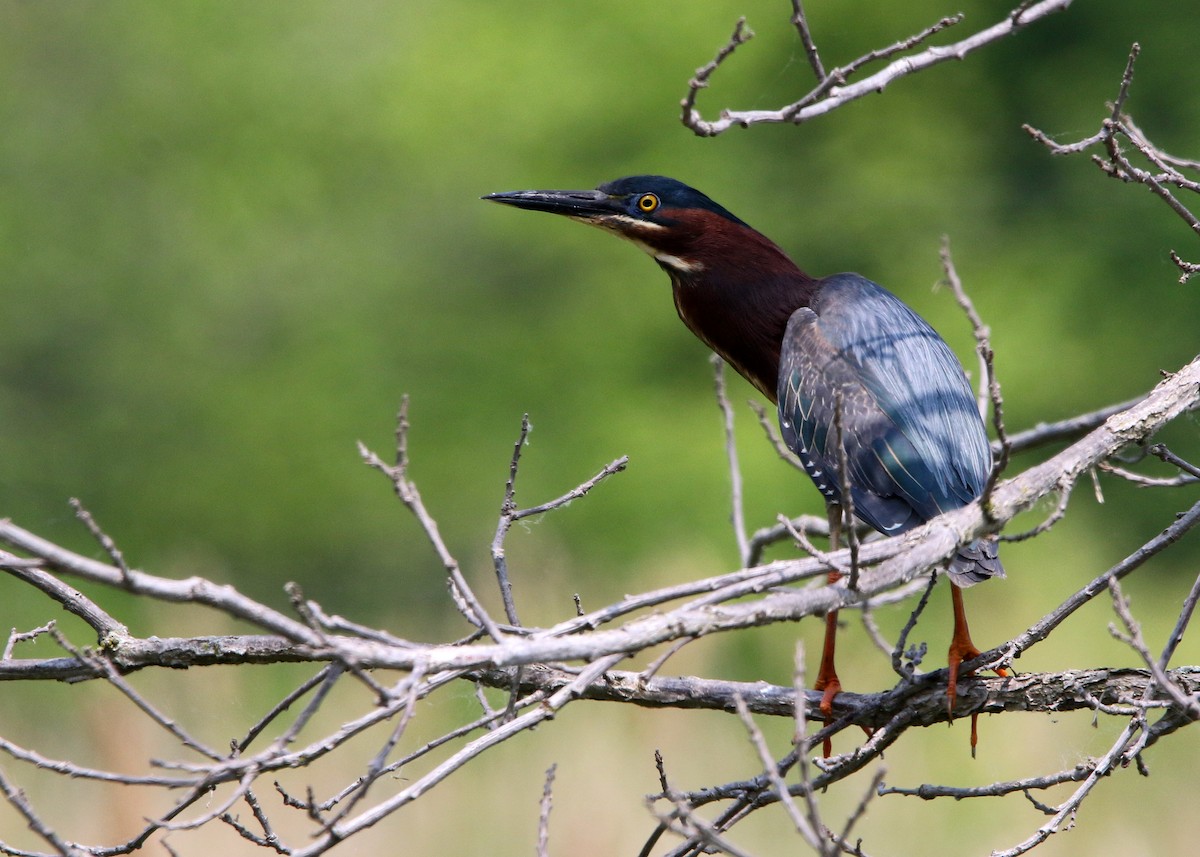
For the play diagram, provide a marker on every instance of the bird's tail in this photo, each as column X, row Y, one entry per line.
column 976, row 562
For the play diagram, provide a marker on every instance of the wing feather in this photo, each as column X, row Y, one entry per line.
column 915, row 444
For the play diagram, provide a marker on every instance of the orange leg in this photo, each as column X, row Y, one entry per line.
column 827, row 678
column 961, row 649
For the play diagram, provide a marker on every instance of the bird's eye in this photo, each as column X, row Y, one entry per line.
column 647, row 202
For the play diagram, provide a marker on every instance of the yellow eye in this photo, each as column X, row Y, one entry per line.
column 647, row 202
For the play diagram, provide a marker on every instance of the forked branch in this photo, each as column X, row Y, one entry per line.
column 838, row 86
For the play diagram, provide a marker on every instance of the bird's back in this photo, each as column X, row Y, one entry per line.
column 915, row 443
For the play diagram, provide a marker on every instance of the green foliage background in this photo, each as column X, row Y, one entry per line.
column 232, row 235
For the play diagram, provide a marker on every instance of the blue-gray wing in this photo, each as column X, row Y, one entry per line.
column 914, row 443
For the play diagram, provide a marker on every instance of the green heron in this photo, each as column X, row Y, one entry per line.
column 911, row 436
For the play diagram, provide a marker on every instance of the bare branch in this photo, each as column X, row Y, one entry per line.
column 1060, row 511
column 16, row 637
column 1142, row 481
column 511, row 514
column 997, row 789
column 741, row 35
column 71, row 599
column 193, row 590
column 768, row 426
column 804, row 826
column 1068, row 429
column 106, row 542
column 1133, row 638
column 895, row 561
column 800, row 22
column 1041, row 629
column 783, row 529
column 1185, row 617
column 406, row 490
column 543, row 842
column 1117, row 165
column 116, row 680
column 20, row 803
column 833, row 89
column 1067, row 809
column 507, row 508
column 1160, row 451
column 872, row 790
column 547, row 709
column 826, row 557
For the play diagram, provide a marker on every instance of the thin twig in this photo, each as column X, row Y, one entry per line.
column 874, row 634
column 1185, row 617
column 1060, row 511
column 768, row 426
column 1118, row 106
column 192, row 590
column 1041, row 629
column 834, row 90
column 837, row 77
column 764, row 537
column 1066, row 810
column 806, row 828
column 905, row 671
column 802, row 539
column 1160, row 451
column 800, row 22
column 996, row 789
column 105, row 541
column 799, row 741
column 268, row 839
column 1068, row 429
column 737, row 507
column 107, row 628
column 507, row 508
column 860, row 810
column 16, row 637
column 284, row 704
column 658, row 663
column 987, row 357
column 147, row 708
column 20, row 803
column 406, row 490
column 1181, row 480
column 377, row 767
column 1117, row 165
column 547, row 802
column 741, row 35
column 1133, row 638
column 846, row 503
column 548, row 708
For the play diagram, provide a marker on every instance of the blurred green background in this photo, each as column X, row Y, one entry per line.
column 233, row 235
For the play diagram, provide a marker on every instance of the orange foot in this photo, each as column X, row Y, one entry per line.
column 962, row 649
column 830, row 687
column 827, row 678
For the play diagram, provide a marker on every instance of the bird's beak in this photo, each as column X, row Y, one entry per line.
column 580, row 204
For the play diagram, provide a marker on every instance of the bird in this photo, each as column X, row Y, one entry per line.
column 860, row 380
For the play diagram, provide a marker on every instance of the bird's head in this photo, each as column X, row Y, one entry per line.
column 679, row 226
column 732, row 286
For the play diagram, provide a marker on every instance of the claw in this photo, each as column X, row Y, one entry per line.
column 827, row 679
column 962, row 649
